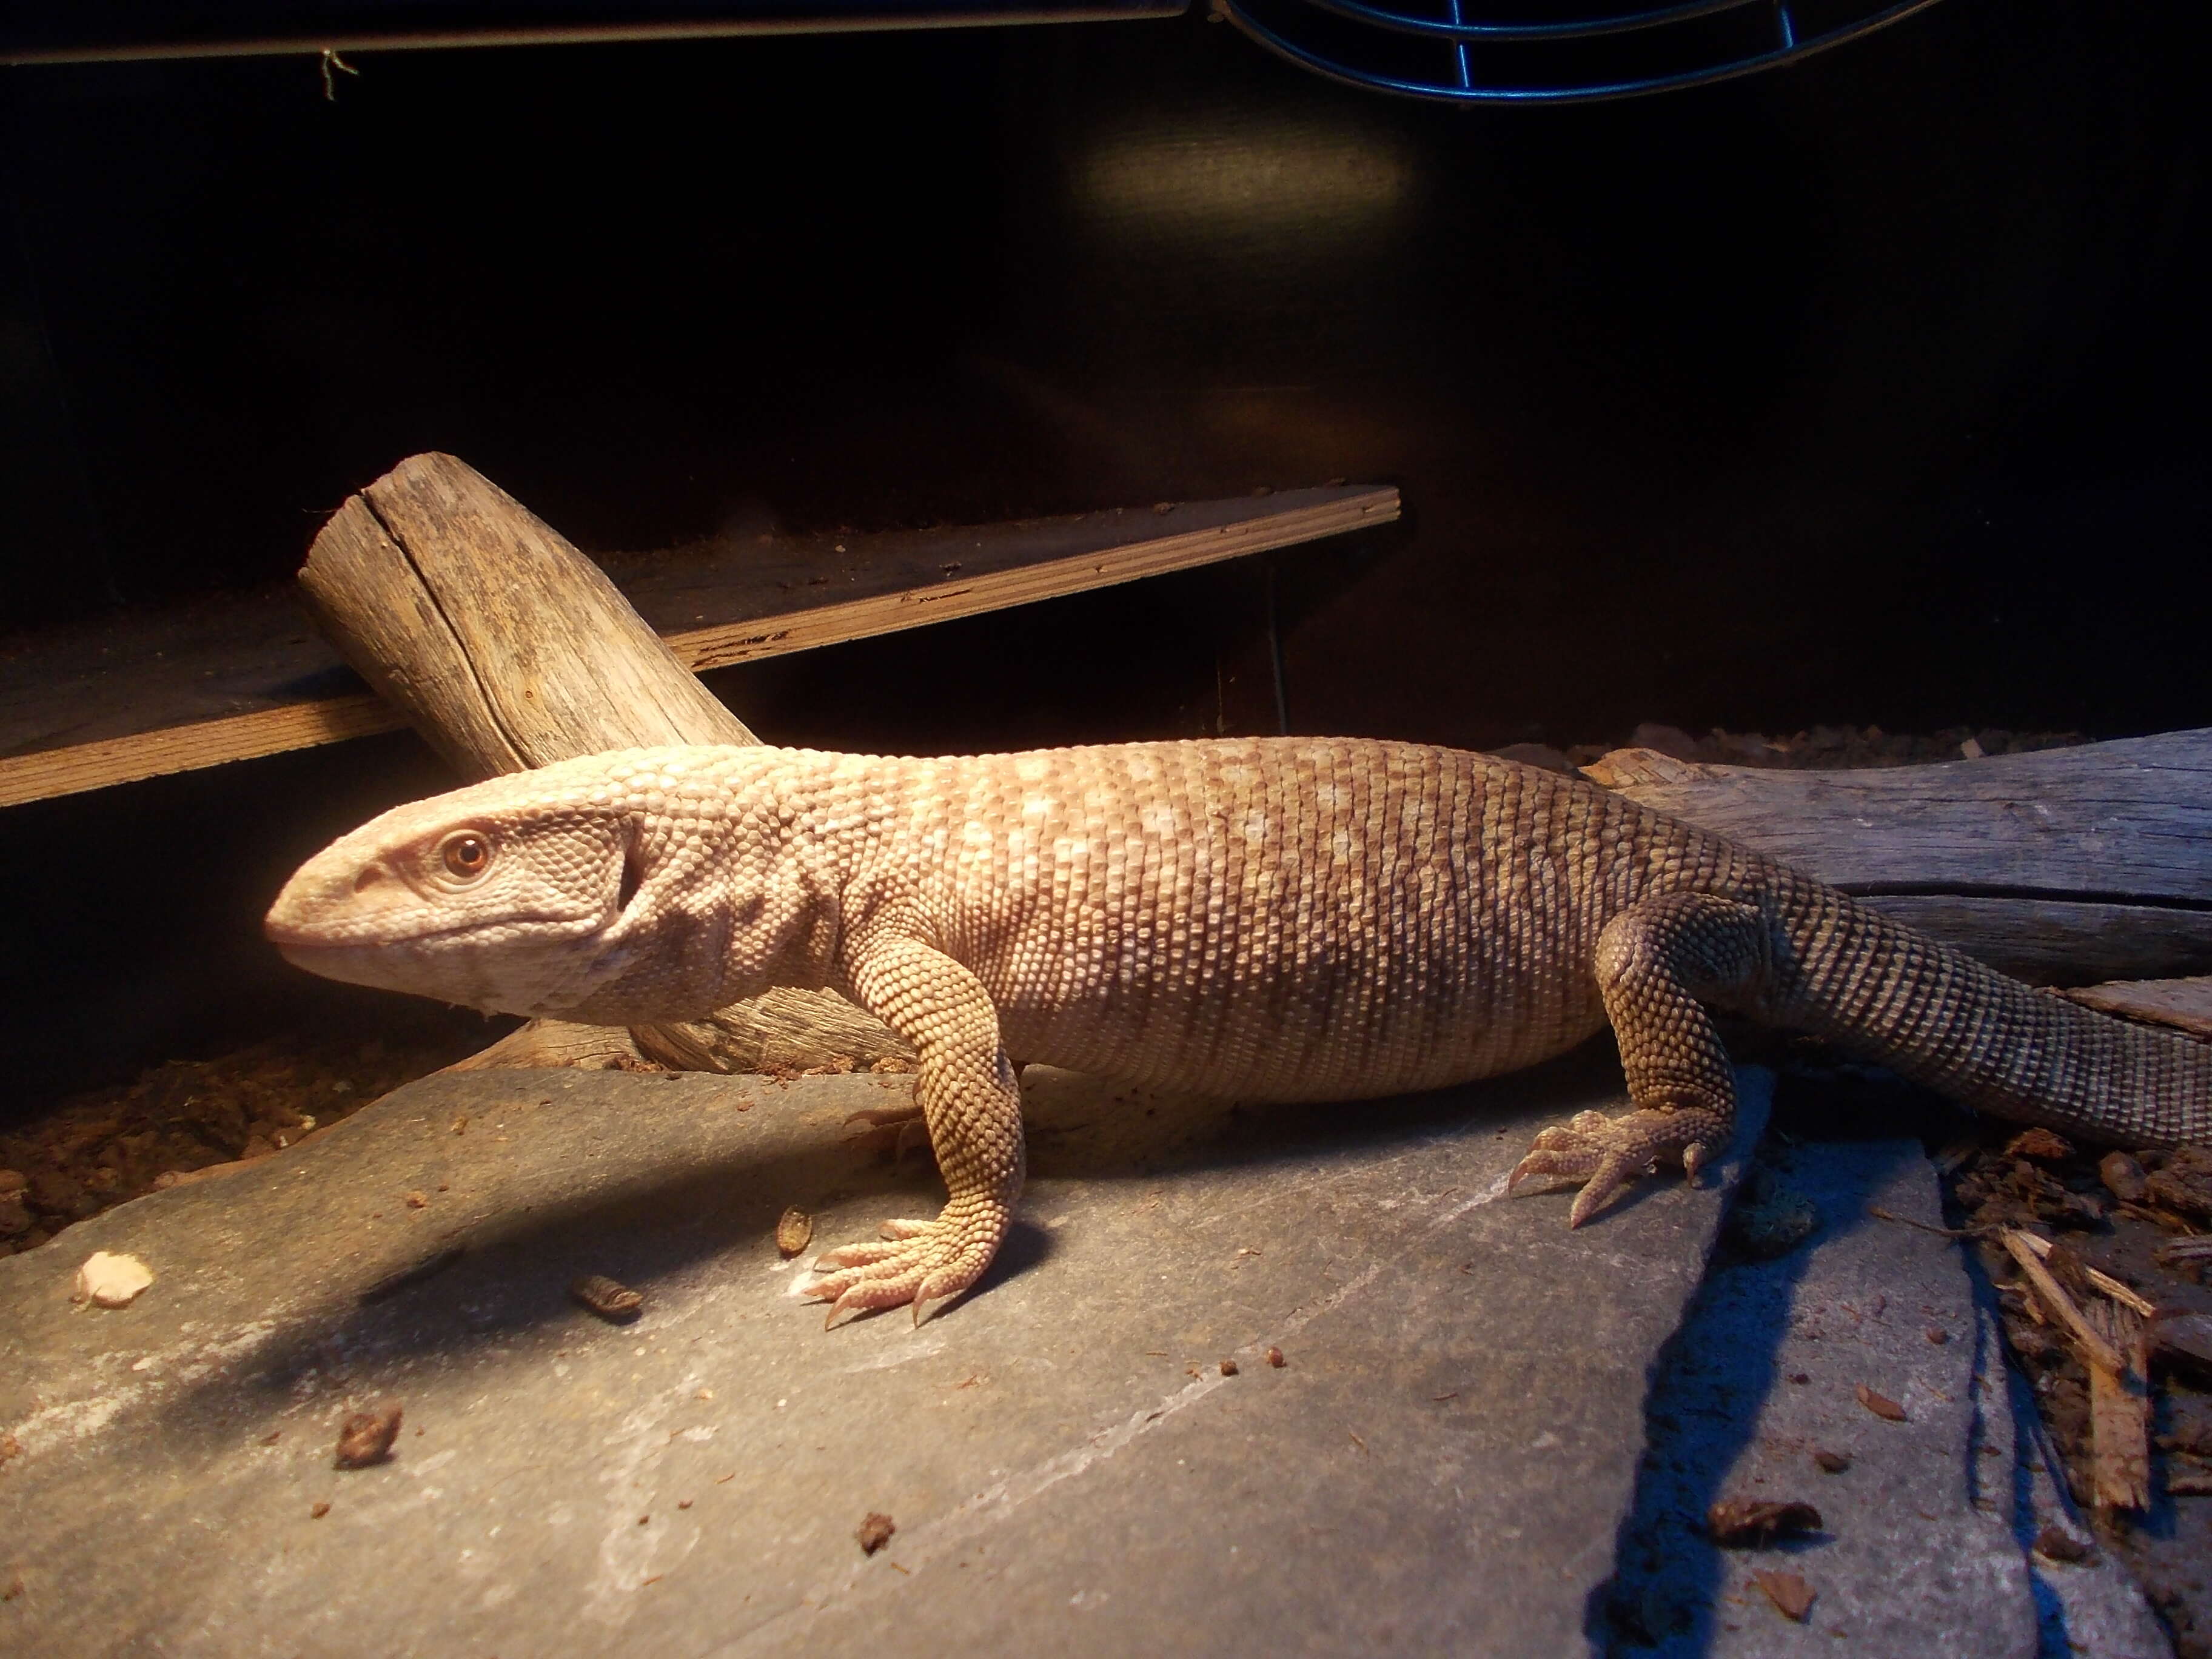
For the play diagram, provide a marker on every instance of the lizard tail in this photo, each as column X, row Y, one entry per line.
column 1938, row 1017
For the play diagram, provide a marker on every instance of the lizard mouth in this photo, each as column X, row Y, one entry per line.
column 288, row 938
column 351, row 964
column 313, row 935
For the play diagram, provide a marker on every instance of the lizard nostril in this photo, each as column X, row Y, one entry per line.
column 370, row 875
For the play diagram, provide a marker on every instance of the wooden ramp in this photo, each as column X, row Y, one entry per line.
column 228, row 678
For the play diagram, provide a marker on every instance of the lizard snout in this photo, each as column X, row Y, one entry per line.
column 328, row 903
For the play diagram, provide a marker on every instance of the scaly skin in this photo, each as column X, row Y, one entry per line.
column 1280, row 918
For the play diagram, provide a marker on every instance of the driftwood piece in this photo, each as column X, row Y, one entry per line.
column 2109, row 1339
column 551, row 1044
column 506, row 648
column 2066, row 866
column 2041, row 1247
column 2119, row 1410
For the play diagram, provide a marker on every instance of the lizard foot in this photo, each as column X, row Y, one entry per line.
column 923, row 1261
column 1602, row 1155
column 893, row 1129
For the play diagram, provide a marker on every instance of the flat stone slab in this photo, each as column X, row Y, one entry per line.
column 1445, row 1458
column 1927, row 1536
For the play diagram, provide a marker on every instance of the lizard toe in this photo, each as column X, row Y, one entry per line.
column 867, row 1255
column 1616, row 1172
column 866, row 1296
column 851, row 1256
column 1551, row 1169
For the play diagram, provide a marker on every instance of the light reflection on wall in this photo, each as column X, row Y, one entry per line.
column 1247, row 178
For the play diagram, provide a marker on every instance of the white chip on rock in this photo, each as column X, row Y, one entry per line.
column 111, row 1281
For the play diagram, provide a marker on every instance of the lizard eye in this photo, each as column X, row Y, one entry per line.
column 467, row 855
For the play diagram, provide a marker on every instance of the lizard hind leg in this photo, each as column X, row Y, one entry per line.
column 1655, row 962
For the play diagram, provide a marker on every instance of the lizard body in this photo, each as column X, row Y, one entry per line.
column 1274, row 919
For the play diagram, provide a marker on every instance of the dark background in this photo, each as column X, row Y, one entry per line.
column 1870, row 391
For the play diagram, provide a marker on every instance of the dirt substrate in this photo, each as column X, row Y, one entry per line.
column 183, row 1118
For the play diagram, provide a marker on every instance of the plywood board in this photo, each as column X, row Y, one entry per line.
column 231, row 677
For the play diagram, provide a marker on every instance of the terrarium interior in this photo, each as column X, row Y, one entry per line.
column 1852, row 410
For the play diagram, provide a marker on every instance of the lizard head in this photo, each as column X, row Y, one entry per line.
column 488, row 896
column 609, row 888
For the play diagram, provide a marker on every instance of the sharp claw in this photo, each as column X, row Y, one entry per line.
column 1587, row 1203
column 1607, row 1182
column 852, row 1298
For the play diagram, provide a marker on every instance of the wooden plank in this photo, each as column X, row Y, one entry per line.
column 878, row 584
column 44, row 775
column 113, row 700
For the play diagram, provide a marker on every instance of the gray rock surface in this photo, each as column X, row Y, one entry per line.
column 1445, row 1461
column 1925, row 1545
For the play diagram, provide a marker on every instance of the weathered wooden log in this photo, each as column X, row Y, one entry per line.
column 774, row 1035
column 506, row 648
column 551, row 1044
column 2062, row 867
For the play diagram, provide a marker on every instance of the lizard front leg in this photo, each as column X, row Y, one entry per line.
column 1655, row 962
column 971, row 1102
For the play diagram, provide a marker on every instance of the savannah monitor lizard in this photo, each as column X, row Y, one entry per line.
column 1274, row 919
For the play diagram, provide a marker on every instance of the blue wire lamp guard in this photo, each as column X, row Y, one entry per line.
column 1540, row 51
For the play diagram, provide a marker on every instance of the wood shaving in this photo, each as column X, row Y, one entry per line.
column 1792, row 1595
column 1880, row 1404
column 1736, row 1523
column 367, row 1437
column 610, row 1298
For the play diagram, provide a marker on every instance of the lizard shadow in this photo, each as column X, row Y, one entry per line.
column 670, row 1218
column 1701, row 1416
column 1082, row 1128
